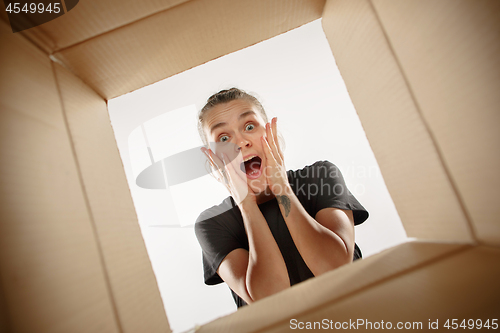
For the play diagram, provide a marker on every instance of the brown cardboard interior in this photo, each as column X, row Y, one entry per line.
column 157, row 39
column 413, row 171
column 412, row 282
column 110, row 207
column 458, row 102
column 424, row 78
column 51, row 267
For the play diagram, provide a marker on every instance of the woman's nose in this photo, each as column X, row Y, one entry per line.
column 243, row 142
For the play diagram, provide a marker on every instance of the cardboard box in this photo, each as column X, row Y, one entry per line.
column 423, row 75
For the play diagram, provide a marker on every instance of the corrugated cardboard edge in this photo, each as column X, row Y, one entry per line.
column 52, row 279
column 90, row 19
column 462, row 286
column 406, row 151
column 333, row 287
column 128, row 271
column 450, row 54
column 180, row 38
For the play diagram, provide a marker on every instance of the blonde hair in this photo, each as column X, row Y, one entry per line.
column 226, row 96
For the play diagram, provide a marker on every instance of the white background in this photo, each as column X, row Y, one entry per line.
column 295, row 77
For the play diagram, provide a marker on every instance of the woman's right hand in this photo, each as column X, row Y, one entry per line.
column 228, row 173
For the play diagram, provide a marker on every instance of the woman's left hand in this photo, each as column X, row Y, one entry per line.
column 275, row 170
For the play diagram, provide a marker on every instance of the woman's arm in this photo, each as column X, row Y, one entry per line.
column 261, row 271
column 324, row 242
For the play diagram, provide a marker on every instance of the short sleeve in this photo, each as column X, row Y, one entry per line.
column 218, row 236
column 326, row 188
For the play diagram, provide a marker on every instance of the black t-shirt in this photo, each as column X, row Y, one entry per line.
column 220, row 229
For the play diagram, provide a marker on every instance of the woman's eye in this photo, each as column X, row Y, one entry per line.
column 223, row 138
column 250, row 127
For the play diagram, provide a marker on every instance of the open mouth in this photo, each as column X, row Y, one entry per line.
column 252, row 167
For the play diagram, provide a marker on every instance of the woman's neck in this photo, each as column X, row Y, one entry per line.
column 264, row 196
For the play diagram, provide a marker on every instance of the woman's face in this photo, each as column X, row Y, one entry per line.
column 239, row 124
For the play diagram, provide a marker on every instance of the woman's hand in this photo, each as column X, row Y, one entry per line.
column 228, row 173
column 275, row 170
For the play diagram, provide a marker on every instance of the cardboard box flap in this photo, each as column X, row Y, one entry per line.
column 134, row 288
column 91, row 18
column 183, row 37
column 333, row 287
column 71, row 254
column 450, row 55
column 406, row 151
column 51, row 272
column 461, row 286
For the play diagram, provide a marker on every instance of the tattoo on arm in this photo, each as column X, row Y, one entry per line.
column 283, row 200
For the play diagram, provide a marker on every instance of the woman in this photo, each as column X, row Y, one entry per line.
column 278, row 227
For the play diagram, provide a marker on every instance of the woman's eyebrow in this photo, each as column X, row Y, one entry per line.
column 246, row 113
column 214, row 127
column 242, row 115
